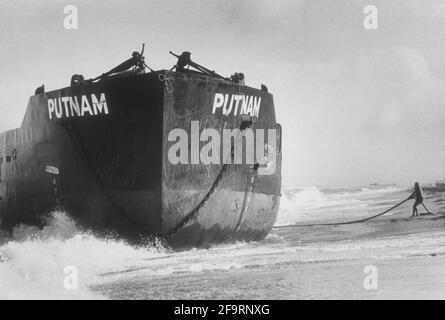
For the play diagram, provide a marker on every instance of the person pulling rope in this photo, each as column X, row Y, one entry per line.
column 418, row 196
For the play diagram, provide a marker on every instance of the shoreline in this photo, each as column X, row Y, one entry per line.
column 320, row 263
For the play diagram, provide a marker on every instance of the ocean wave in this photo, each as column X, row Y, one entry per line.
column 35, row 260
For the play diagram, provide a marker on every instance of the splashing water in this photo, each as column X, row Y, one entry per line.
column 34, row 261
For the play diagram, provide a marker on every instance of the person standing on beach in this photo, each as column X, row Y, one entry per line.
column 418, row 195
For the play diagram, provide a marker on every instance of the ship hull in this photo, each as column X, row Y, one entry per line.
column 101, row 153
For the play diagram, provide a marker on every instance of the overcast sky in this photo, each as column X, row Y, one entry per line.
column 356, row 106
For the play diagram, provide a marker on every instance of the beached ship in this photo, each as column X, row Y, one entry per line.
column 110, row 151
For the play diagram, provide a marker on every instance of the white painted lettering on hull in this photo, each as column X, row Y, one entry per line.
column 85, row 105
column 236, row 104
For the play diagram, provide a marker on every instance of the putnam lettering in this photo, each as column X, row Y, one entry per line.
column 85, row 105
column 236, row 104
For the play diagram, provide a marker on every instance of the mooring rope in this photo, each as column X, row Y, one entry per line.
column 345, row 222
column 194, row 212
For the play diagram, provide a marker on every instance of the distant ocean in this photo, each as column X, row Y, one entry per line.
column 316, row 204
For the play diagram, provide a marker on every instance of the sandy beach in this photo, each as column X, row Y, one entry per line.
column 326, row 263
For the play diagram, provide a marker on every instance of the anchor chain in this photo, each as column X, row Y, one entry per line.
column 194, row 213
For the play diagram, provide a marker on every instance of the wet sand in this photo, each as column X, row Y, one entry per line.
column 409, row 278
column 324, row 262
